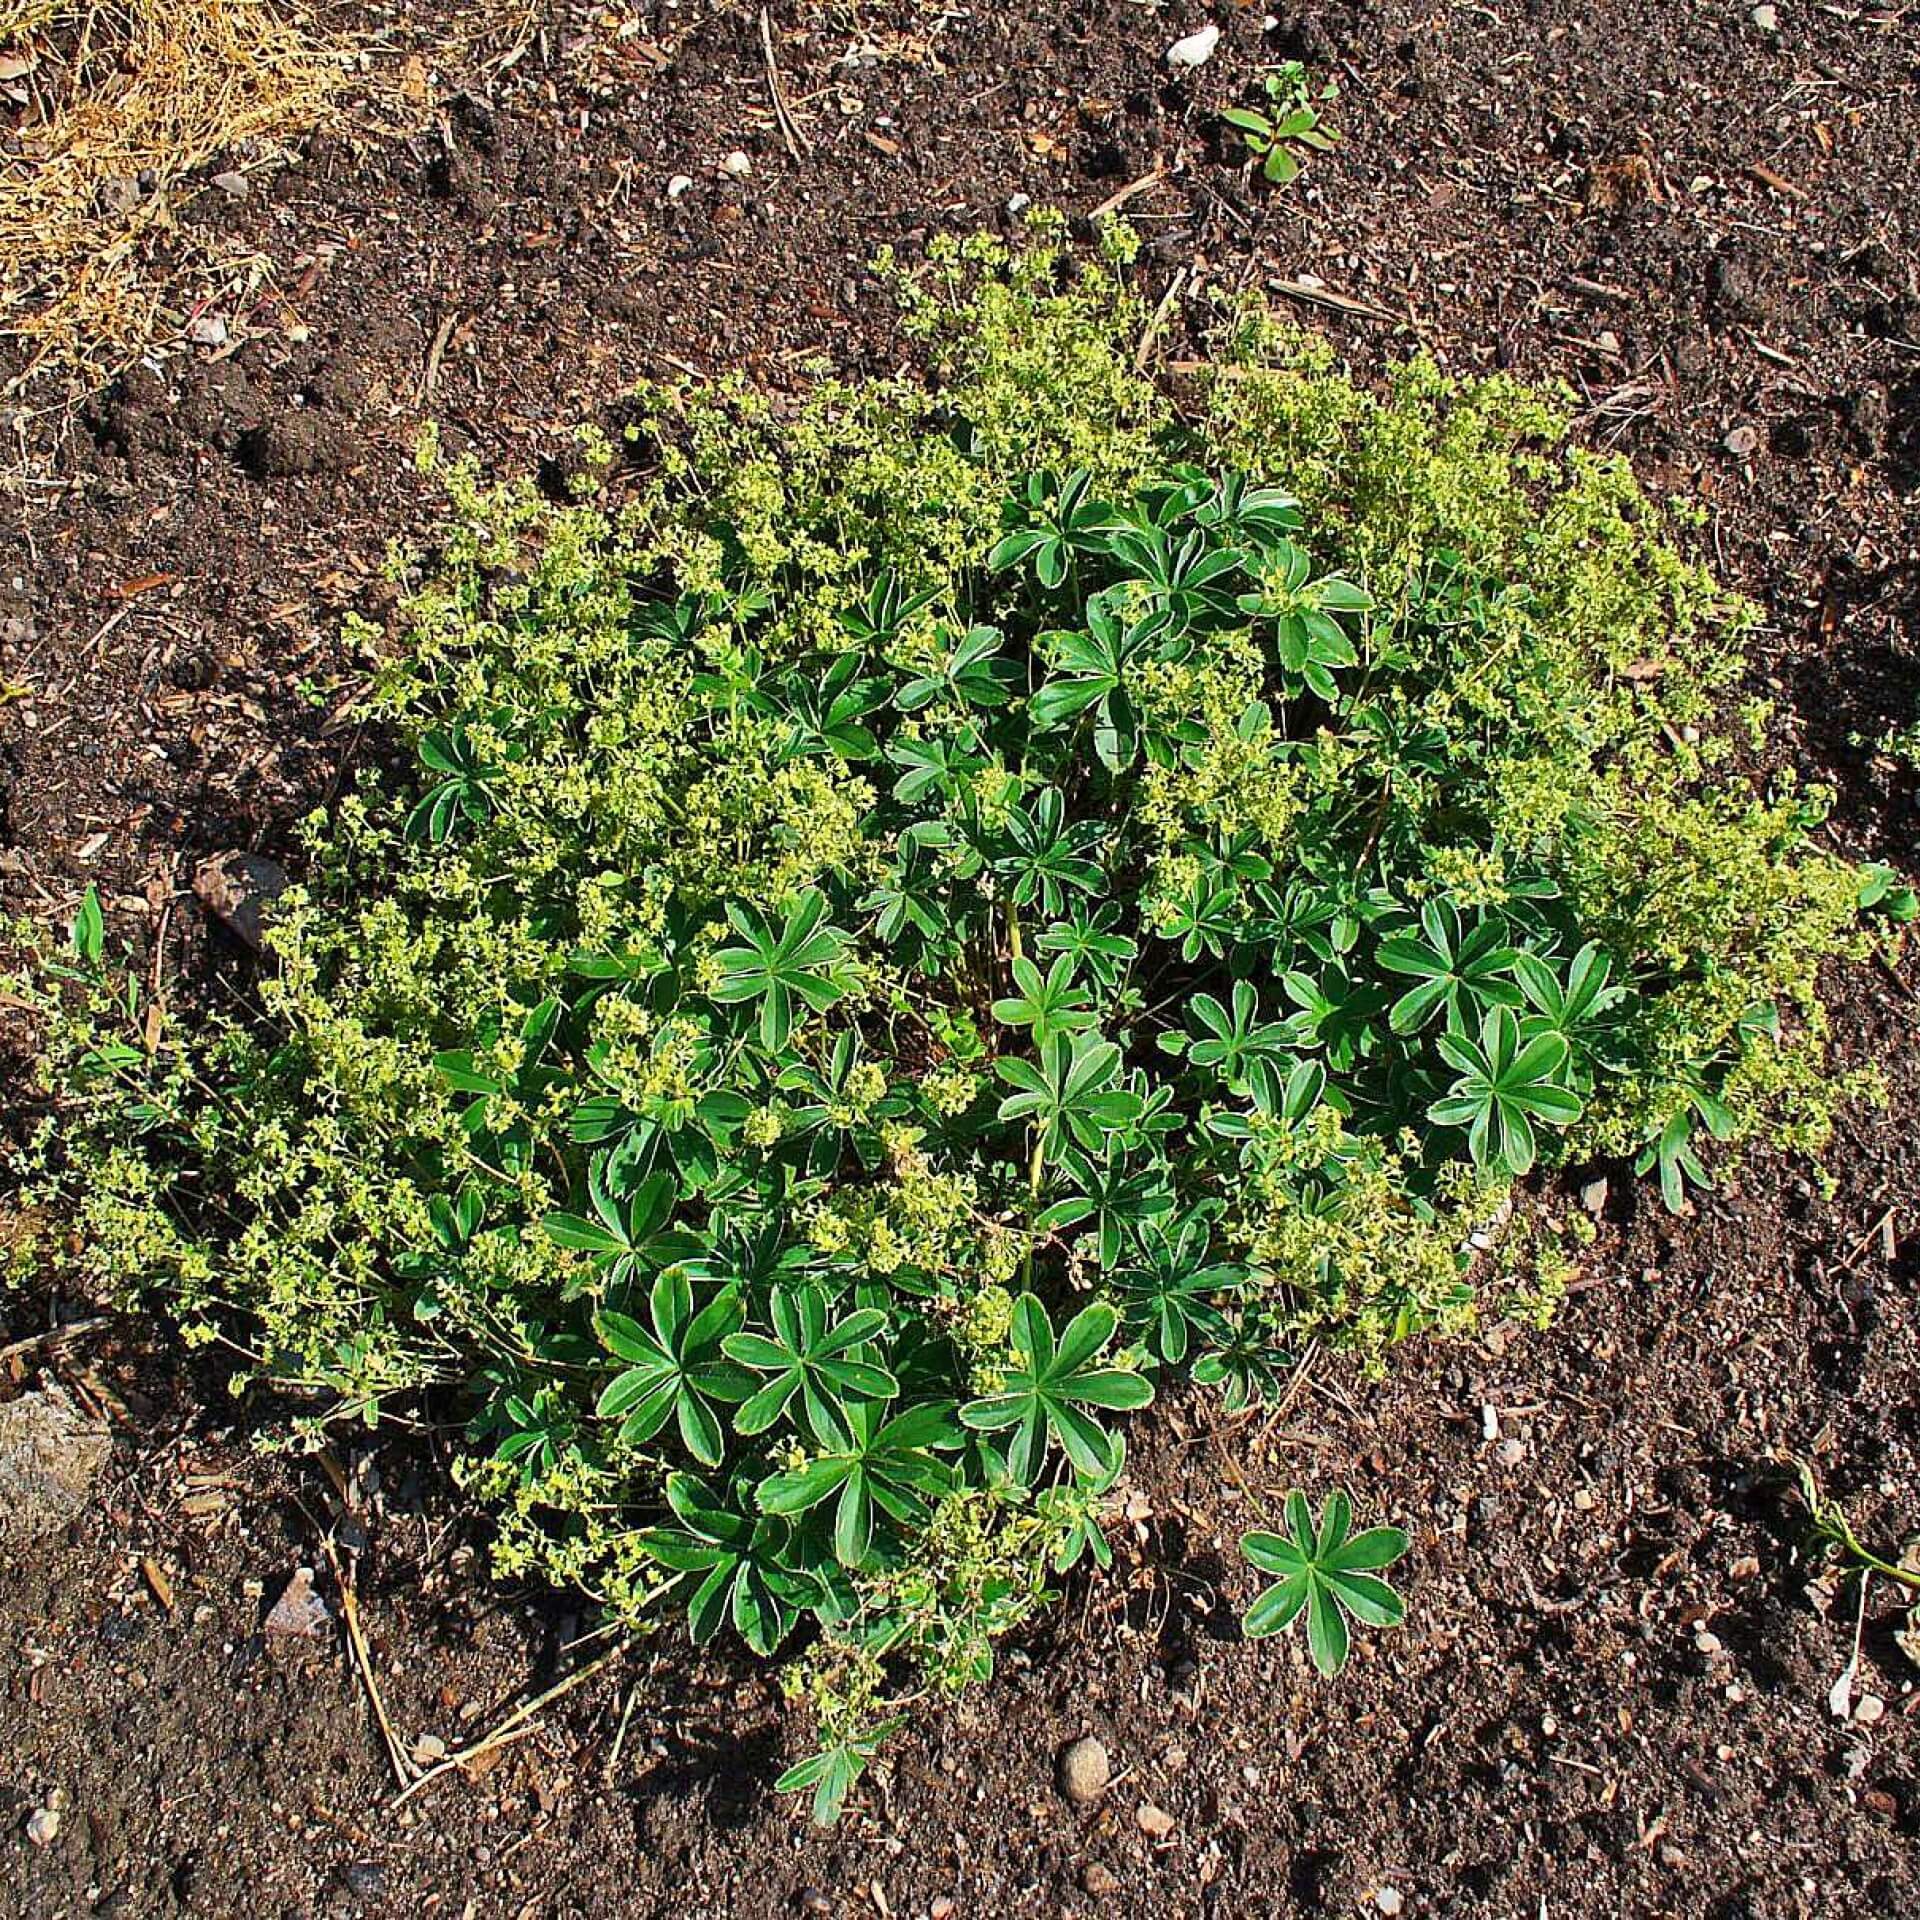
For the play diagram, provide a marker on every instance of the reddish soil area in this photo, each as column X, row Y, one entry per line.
column 1612, row 1696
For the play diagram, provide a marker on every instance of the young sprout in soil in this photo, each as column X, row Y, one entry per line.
column 1289, row 123
column 1328, row 1573
column 1835, row 1535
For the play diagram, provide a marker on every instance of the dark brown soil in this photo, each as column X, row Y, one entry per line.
column 1612, row 1697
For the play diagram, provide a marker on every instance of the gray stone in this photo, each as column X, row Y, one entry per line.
column 300, row 1613
column 50, row 1456
column 237, row 888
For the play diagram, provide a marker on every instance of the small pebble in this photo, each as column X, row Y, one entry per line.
column 300, row 1613
column 43, row 1826
column 1194, row 50
column 1593, row 1196
column 1708, row 1643
column 1741, row 442
column 680, row 184
column 737, row 165
column 235, row 185
column 1155, row 1822
column 207, row 330
column 1389, row 1900
column 1511, row 1452
column 1098, row 1880
column 941, row 1907
column 1869, row 1709
column 1767, row 19
column 1085, row 1771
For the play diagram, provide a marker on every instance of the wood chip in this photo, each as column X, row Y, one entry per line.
column 157, row 1580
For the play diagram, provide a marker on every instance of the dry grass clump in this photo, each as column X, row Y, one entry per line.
column 113, row 107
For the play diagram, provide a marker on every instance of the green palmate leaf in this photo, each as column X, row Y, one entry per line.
column 1073, row 1094
column 1329, row 1573
column 731, row 1567
column 1049, row 1003
column 1053, row 1390
column 972, row 672
column 676, row 1367
column 1459, row 973
column 814, row 1360
column 1235, row 1043
column 1091, row 670
column 832, row 1772
column 465, row 794
column 1047, row 855
column 1174, row 1296
column 1055, row 522
column 885, row 1471
column 1118, row 1197
column 1511, row 1076
column 803, row 963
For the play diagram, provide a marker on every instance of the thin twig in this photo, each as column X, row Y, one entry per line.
column 1154, row 325
column 510, row 1728
column 68, row 1331
column 430, row 377
column 1340, row 302
column 1854, row 1258
column 1131, row 191
column 797, row 144
column 403, row 1767
column 611, row 1770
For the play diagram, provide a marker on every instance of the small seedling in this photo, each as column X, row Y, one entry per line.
column 1289, row 123
column 832, row 1771
column 1882, row 891
column 1834, row 1533
column 1329, row 1573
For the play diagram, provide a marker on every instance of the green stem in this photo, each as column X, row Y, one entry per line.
column 1868, row 1558
column 1035, row 1168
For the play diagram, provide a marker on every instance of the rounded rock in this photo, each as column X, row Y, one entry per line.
column 1085, row 1771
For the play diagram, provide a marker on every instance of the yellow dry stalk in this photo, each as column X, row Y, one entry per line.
column 143, row 91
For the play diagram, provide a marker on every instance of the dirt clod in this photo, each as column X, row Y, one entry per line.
column 299, row 443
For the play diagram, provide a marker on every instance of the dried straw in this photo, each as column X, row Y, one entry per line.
column 125, row 103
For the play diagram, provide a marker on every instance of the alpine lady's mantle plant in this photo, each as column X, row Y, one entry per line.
column 924, row 913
